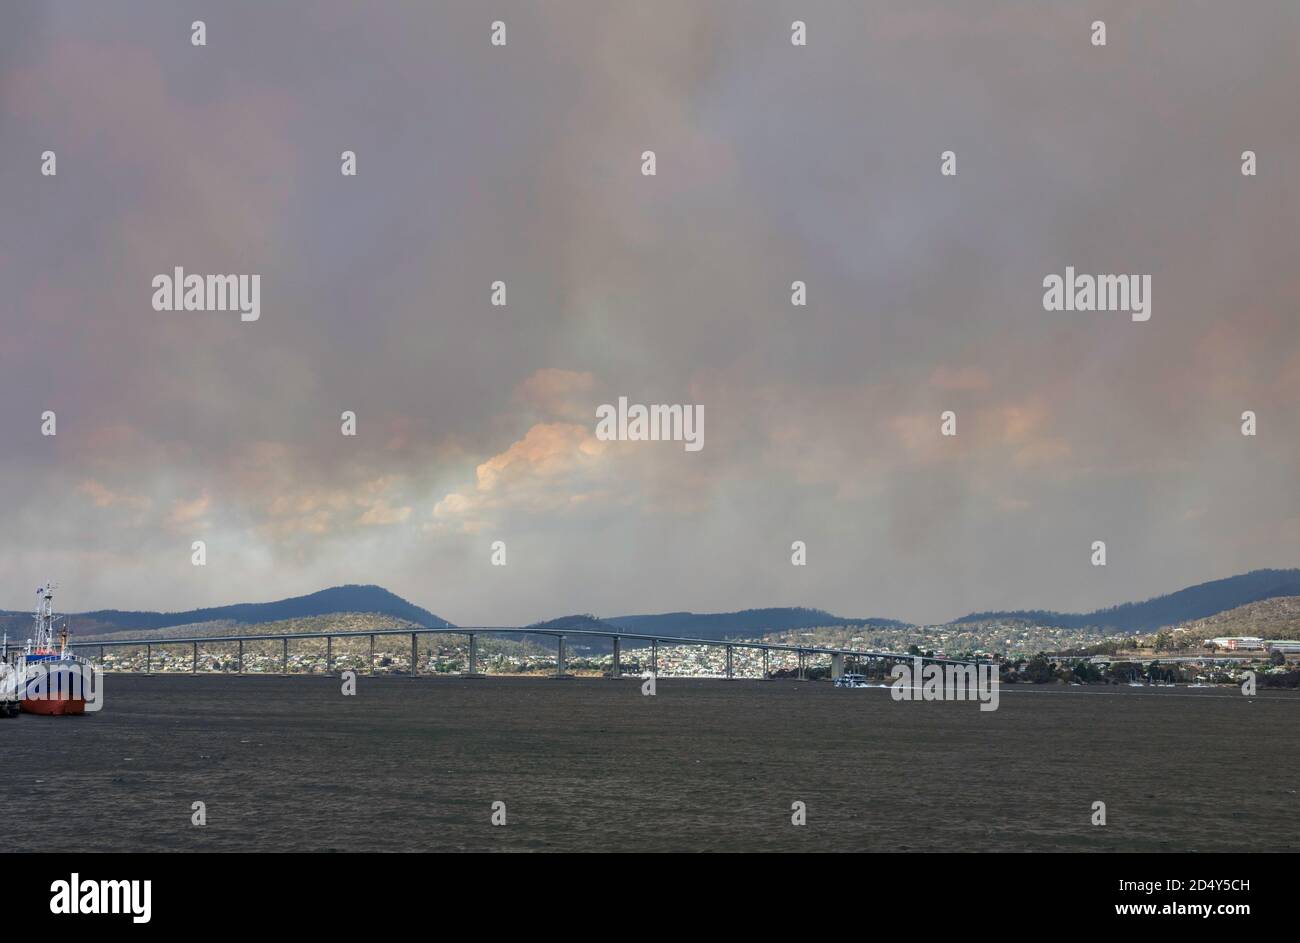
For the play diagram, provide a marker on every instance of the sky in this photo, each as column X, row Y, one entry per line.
column 523, row 163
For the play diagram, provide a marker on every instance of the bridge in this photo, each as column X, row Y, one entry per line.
column 1216, row 658
column 838, row 655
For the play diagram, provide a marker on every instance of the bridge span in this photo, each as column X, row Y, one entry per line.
column 838, row 655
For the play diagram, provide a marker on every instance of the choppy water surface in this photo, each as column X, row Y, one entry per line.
column 289, row 764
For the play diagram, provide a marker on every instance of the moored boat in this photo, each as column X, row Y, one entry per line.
column 53, row 679
column 9, row 676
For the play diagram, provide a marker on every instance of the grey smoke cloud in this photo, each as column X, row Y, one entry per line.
column 522, row 164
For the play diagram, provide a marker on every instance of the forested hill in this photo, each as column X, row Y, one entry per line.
column 350, row 598
column 1185, row 605
column 745, row 624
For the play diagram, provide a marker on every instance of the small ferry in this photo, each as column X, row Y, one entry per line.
column 851, row 681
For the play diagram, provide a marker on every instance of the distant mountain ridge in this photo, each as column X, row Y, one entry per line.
column 349, row 598
column 1185, row 605
column 584, row 622
column 746, row 623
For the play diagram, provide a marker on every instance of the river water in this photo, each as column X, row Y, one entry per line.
column 292, row 764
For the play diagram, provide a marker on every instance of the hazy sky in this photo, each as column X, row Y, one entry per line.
column 523, row 163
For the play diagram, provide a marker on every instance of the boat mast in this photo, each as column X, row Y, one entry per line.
column 44, row 618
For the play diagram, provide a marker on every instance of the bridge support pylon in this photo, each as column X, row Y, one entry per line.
column 561, row 663
column 616, row 669
column 472, row 665
column 837, row 665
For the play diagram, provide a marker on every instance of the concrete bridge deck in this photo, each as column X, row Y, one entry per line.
column 838, row 655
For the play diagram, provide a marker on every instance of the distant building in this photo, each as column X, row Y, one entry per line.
column 1238, row 643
